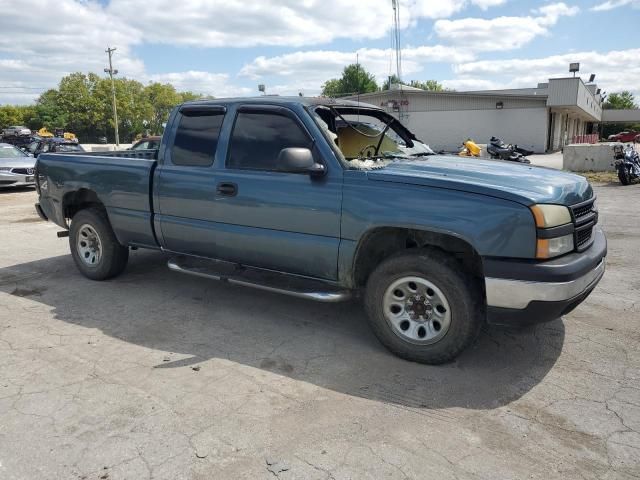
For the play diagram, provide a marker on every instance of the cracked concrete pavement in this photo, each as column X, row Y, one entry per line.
column 98, row 380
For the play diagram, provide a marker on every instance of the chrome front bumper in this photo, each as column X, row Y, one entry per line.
column 518, row 294
column 8, row 179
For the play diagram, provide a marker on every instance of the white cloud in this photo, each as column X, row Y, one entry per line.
column 207, row 83
column 615, row 70
column 241, row 23
column 611, row 4
column 76, row 32
column 486, row 4
column 501, row 33
column 311, row 68
column 551, row 13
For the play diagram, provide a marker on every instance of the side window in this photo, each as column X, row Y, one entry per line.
column 258, row 137
column 197, row 138
column 33, row 146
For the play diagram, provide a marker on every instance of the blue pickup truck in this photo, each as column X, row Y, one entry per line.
column 327, row 200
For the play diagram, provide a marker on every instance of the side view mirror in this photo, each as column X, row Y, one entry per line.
column 299, row 160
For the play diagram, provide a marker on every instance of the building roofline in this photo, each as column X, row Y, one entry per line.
column 485, row 93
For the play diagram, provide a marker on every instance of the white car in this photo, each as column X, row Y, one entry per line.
column 16, row 167
column 16, row 130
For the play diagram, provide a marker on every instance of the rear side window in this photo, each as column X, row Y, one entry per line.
column 197, row 138
column 258, row 137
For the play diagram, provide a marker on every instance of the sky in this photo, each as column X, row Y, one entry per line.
column 227, row 48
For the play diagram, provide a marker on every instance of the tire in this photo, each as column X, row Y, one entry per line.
column 623, row 175
column 457, row 292
column 94, row 247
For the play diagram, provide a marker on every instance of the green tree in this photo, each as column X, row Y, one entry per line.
column 355, row 79
column 332, row 88
column 190, row 96
column 162, row 98
column 620, row 101
column 391, row 80
column 82, row 104
column 10, row 115
column 430, row 85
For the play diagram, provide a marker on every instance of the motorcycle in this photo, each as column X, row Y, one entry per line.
column 470, row 149
column 627, row 163
column 497, row 149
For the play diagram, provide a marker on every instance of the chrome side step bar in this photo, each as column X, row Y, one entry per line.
column 267, row 280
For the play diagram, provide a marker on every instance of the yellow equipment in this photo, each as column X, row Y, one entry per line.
column 470, row 149
column 44, row 133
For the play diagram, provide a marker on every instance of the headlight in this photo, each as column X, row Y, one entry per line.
column 552, row 220
column 548, row 216
column 552, row 247
column 5, row 169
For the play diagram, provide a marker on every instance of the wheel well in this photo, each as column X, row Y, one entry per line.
column 381, row 243
column 73, row 202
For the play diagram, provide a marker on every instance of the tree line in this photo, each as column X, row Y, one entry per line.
column 356, row 79
column 82, row 104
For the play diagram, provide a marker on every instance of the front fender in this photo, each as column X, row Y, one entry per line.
column 494, row 227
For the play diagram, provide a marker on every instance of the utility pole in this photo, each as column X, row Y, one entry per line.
column 109, row 51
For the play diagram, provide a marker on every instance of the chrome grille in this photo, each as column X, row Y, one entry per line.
column 584, row 217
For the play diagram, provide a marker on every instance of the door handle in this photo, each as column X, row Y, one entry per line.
column 227, row 189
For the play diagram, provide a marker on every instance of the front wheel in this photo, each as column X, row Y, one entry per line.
column 94, row 247
column 623, row 175
column 424, row 307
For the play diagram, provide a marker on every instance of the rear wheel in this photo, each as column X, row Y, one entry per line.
column 94, row 247
column 423, row 306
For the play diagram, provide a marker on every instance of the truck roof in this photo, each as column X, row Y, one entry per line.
column 278, row 100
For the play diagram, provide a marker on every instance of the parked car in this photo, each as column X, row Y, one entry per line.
column 148, row 143
column 268, row 193
column 623, row 137
column 53, row 145
column 19, row 141
column 16, row 167
column 16, row 130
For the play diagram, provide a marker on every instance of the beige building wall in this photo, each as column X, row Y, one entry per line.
column 446, row 130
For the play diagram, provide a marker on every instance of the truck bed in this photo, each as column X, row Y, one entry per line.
column 121, row 180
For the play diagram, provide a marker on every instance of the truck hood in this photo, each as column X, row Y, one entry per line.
column 513, row 181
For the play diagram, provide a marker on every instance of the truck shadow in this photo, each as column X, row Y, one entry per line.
column 328, row 345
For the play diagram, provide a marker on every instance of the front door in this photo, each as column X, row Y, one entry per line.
column 272, row 219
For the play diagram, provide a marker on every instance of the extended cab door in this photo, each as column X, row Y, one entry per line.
column 184, row 186
column 274, row 219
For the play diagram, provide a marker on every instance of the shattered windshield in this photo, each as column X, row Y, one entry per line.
column 368, row 138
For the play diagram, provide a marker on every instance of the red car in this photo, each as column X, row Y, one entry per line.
column 624, row 137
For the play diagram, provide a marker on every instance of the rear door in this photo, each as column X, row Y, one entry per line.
column 184, row 193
